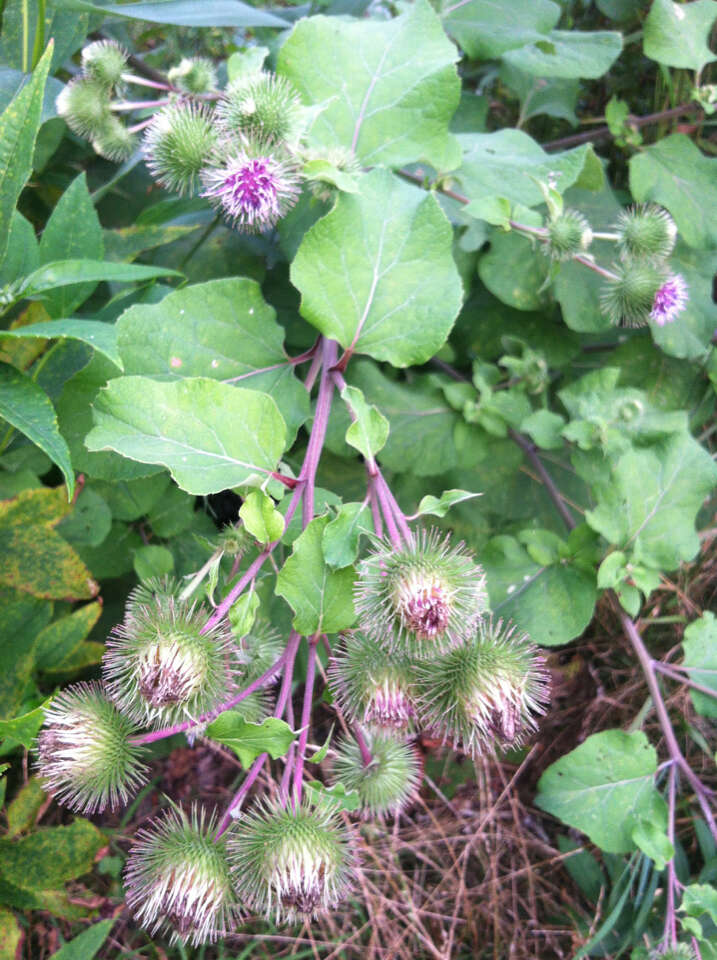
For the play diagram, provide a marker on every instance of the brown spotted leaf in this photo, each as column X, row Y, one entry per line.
column 37, row 560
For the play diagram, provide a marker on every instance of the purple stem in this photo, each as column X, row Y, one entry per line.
column 122, row 105
column 375, row 509
column 363, row 747
column 670, row 935
column 238, row 797
column 208, row 717
column 143, row 82
column 397, row 512
column 305, row 720
column 701, row 791
column 289, row 656
column 252, row 571
column 249, row 574
column 329, row 350
column 670, row 672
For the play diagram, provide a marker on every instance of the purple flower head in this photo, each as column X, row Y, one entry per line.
column 670, row 300
column 253, row 192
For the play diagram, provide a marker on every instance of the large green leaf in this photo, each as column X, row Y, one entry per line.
column 568, row 54
column 72, row 232
column 27, row 407
column 700, row 646
column 552, row 601
column 320, row 597
column 377, row 273
column 37, row 560
column 677, row 34
column 650, row 500
column 223, row 329
column 389, row 88
column 676, row 174
column 248, row 740
column 74, row 412
column 504, row 163
column 100, row 336
column 486, row 29
column 514, row 271
column 63, row 273
column 604, row 788
column 18, row 130
column 211, row 436
column 183, row 13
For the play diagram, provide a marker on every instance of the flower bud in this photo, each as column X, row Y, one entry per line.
column 254, row 186
column 259, row 649
column 389, row 782
column 681, row 951
column 340, row 160
column 178, row 879
column 162, row 666
column 292, row 863
column 85, row 757
column 628, row 299
column 645, row 233
column 194, row 75
column 421, row 598
column 371, row 685
column 177, row 145
column 114, row 141
column 492, row 689
column 84, row 106
column 261, row 105
column 105, row 62
column 568, row 234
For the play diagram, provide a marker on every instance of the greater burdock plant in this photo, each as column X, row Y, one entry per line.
column 399, row 605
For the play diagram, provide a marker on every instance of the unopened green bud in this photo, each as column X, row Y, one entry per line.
column 85, row 757
column 261, row 105
column 84, row 106
column 568, row 235
column 194, row 75
column 388, row 782
column 292, row 862
column 177, row 145
column 105, row 62
column 114, row 141
column 646, row 233
column 178, row 879
column 628, row 298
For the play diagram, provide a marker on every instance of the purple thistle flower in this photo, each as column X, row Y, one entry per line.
column 253, row 192
column 670, row 300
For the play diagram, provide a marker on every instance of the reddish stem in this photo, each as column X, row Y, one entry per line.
column 318, row 430
column 305, row 720
column 236, row 801
column 363, row 747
